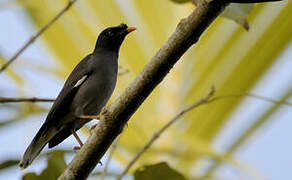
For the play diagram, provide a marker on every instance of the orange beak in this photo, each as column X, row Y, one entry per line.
column 130, row 29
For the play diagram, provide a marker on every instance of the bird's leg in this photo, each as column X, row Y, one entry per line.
column 90, row 117
column 78, row 139
column 79, row 113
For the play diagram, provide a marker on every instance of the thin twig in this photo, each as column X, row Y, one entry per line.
column 34, row 37
column 106, row 165
column 253, row 96
column 205, row 100
column 160, row 131
column 16, row 100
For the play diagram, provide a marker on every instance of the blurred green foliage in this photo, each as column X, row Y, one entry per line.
column 157, row 172
column 226, row 56
column 55, row 166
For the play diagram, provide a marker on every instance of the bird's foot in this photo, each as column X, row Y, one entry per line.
column 92, row 128
column 77, row 148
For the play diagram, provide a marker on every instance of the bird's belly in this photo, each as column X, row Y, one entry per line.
column 92, row 99
column 94, row 105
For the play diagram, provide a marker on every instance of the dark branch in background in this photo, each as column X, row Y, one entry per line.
column 34, row 37
column 166, row 126
column 114, row 117
column 16, row 100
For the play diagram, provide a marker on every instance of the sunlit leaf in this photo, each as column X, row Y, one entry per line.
column 236, row 12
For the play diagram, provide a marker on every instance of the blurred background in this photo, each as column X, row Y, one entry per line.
column 233, row 138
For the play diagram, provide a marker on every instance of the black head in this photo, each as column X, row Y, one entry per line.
column 112, row 37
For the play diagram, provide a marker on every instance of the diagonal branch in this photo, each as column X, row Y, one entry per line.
column 34, row 37
column 117, row 114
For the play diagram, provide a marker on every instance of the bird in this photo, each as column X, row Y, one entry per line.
column 84, row 94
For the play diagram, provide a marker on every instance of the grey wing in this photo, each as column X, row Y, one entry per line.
column 62, row 104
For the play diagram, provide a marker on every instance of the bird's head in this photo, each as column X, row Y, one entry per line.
column 112, row 37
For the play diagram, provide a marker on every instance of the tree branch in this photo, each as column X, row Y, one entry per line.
column 16, row 100
column 34, row 37
column 117, row 114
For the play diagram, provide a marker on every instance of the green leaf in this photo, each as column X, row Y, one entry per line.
column 235, row 12
column 56, row 165
column 238, row 13
column 30, row 176
column 157, row 172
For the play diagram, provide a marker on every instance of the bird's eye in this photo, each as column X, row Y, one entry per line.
column 110, row 34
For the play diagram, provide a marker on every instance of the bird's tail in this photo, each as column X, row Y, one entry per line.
column 38, row 143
